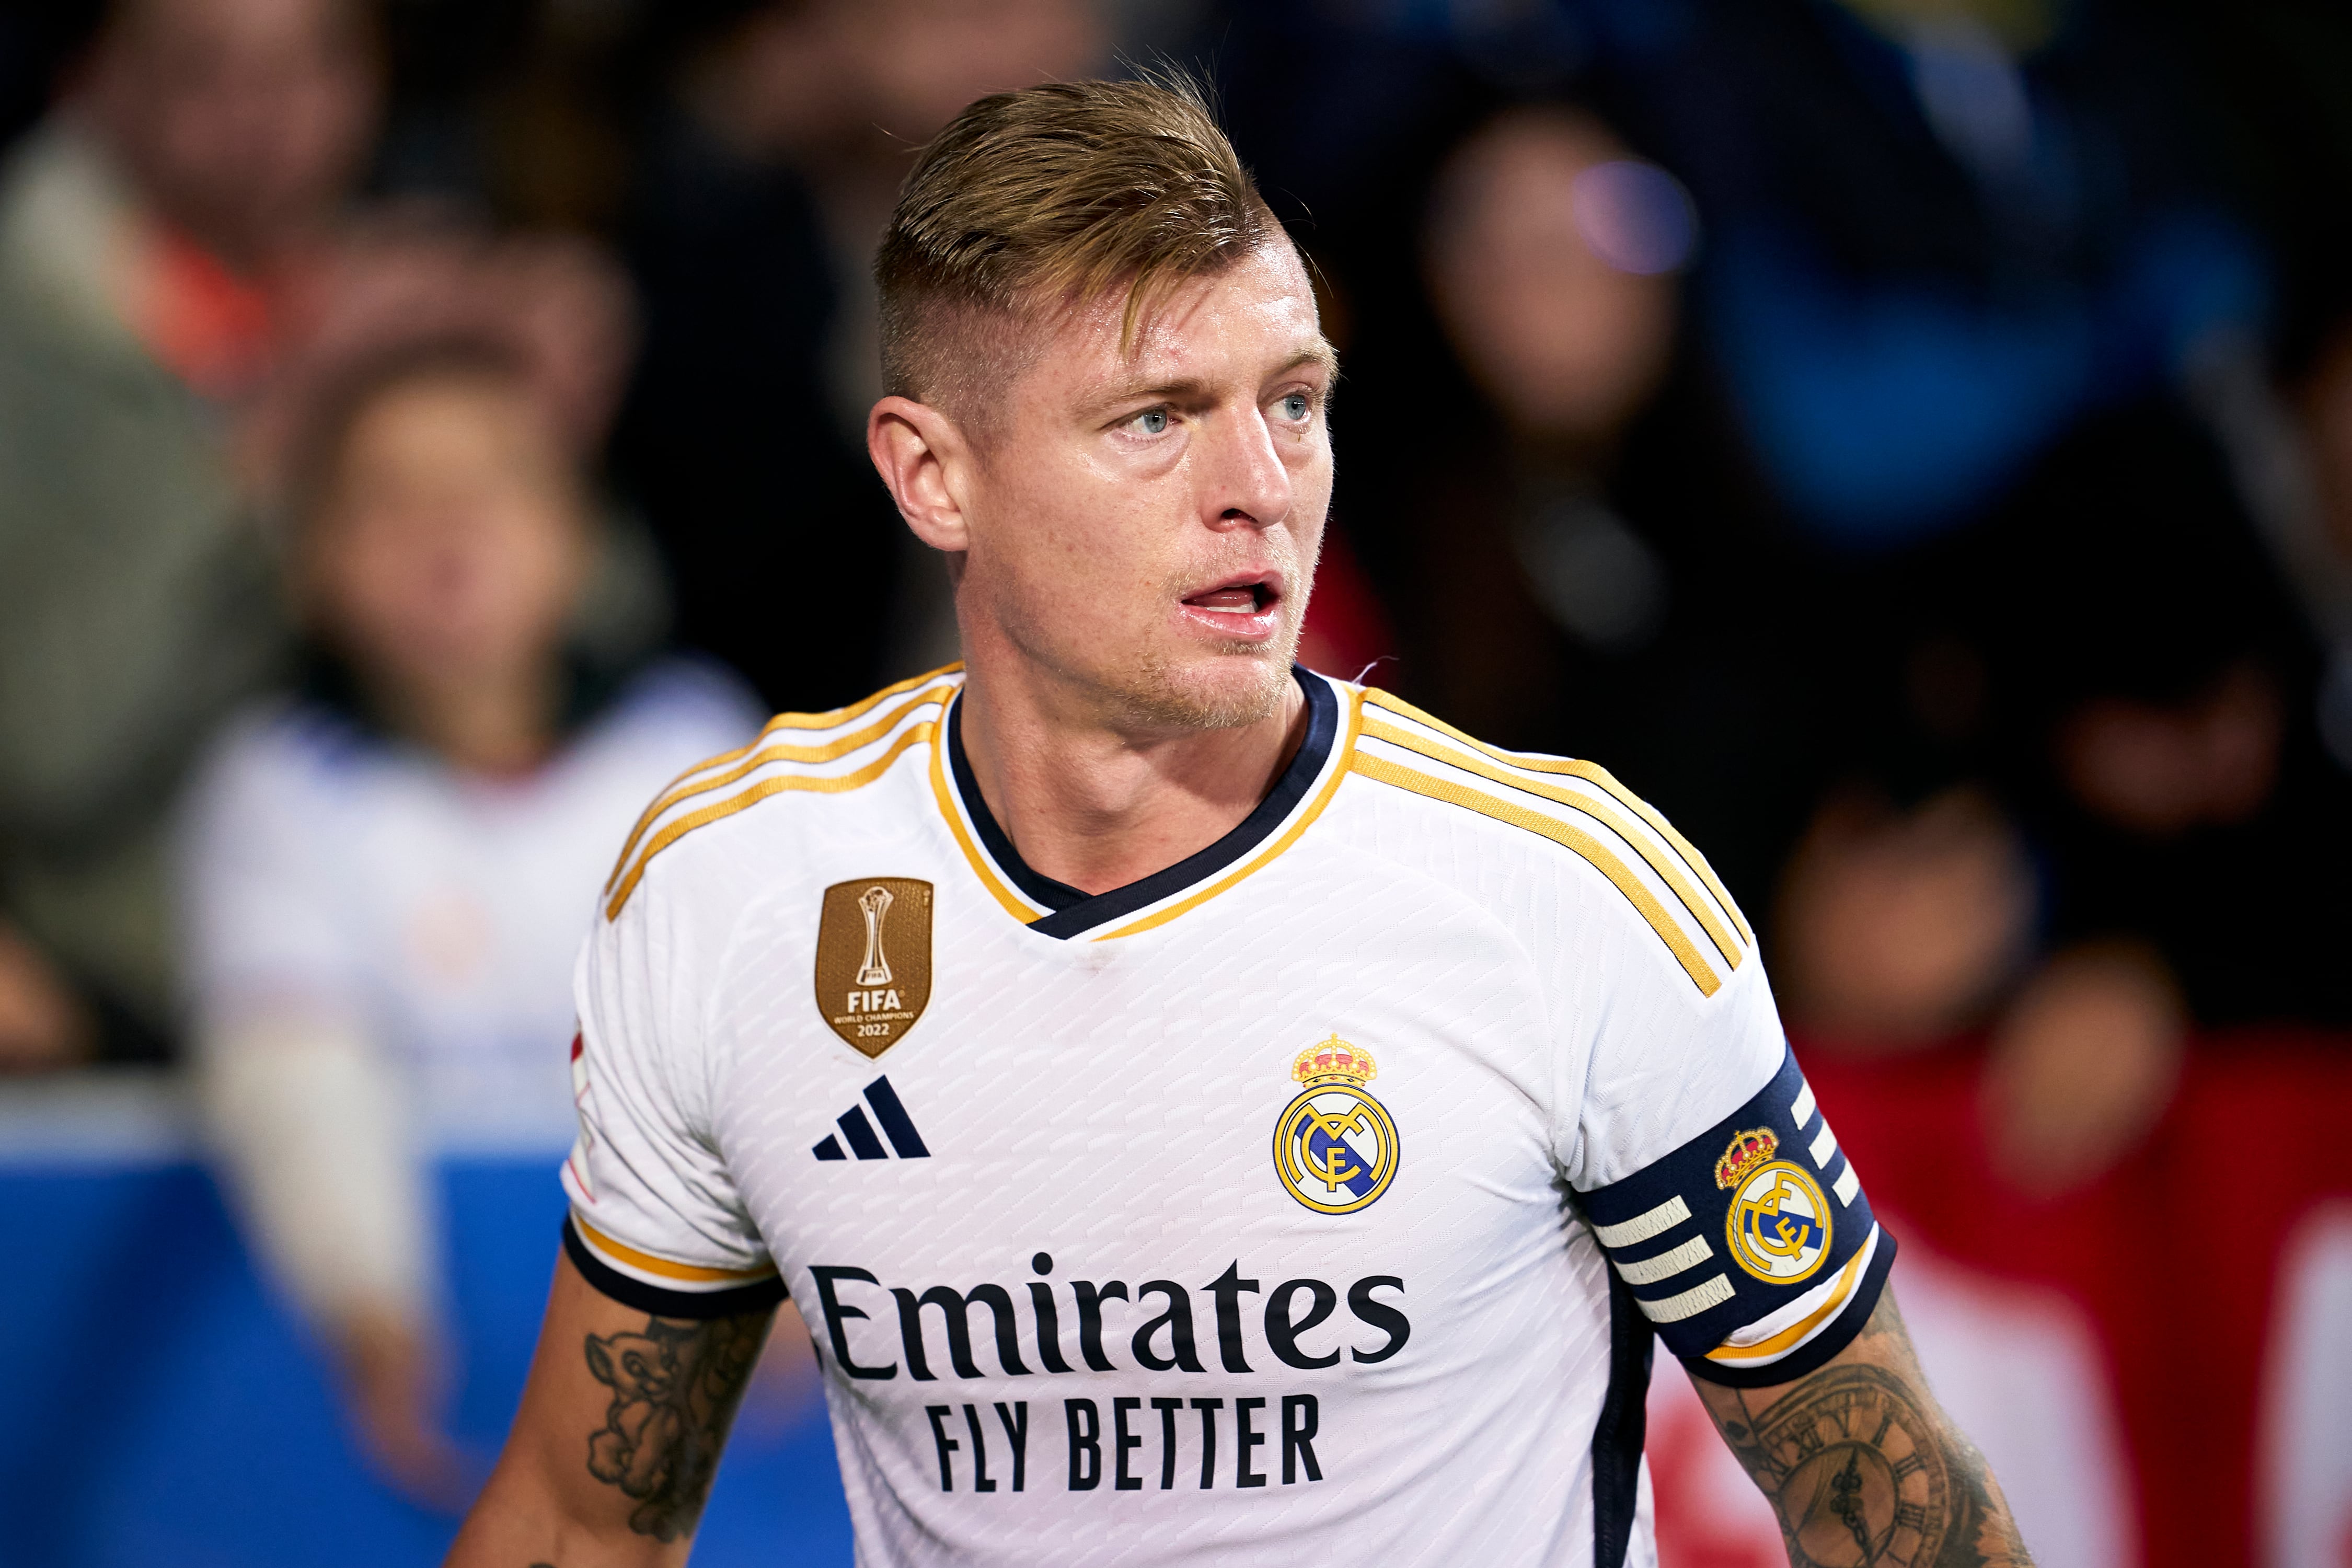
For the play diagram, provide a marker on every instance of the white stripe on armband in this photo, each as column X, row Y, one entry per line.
column 1801, row 1110
column 1847, row 1184
column 1642, row 1226
column 1711, row 1292
column 1824, row 1147
column 1666, row 1265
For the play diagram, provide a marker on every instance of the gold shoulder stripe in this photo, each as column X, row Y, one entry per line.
column 703, row 783
column 863, row 705
column 1583, row 843
column 836, row 784
column 670, row 793
column 1591, row 773
column 1664, row 866
column 661, row 1266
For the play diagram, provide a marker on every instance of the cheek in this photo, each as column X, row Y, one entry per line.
column 1312, row 469
column 360, row 592
column 1084, row 544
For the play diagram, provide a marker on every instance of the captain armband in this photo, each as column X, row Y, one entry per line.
column 1752, row 1249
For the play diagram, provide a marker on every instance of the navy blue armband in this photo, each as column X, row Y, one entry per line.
column 1752, row 1249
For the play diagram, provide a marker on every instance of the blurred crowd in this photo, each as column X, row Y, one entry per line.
column 1909, row 441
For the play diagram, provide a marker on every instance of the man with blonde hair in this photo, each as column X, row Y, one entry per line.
column 1206, row 1111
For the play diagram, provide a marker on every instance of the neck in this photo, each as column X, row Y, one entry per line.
column 1096, row 804
column 498, row 725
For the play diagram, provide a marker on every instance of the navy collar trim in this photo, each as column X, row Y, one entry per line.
column 1074, row 911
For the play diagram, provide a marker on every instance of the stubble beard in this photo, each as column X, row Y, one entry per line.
column 1163, row 691
column 1160, row 691
column 1160, row 697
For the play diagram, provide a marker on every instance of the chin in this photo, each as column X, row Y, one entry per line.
column 1219, row 689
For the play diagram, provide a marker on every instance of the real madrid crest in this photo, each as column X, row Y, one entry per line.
column 1335, row 1146
column 1778, row 1227
column 873, row 958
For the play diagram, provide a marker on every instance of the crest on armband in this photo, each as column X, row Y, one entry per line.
column 1778, row 1227
column 1747, row 1150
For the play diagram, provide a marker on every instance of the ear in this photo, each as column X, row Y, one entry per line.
column 927, row 463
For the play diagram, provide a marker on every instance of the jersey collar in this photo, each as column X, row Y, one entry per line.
column 1057, row 909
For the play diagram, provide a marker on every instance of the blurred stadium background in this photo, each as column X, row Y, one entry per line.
column 1909, row 441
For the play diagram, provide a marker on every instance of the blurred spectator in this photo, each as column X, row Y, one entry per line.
column 149, row 232
column 1942, row 230
column 1966, row 266
column 1588, row 568
column 2316, row 508
column 1551, row 253
column 1898, row 927
column 387, row 874
column 769, row 175
column 1964, row 581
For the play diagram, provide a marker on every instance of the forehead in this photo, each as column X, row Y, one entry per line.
column 169, row 27
column 1241, row 322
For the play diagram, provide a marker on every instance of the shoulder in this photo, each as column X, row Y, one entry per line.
column 688, row 695
column 1565, row 821
column 795, row 762
column 673, row 710
column 283, row 747
column 273, row 787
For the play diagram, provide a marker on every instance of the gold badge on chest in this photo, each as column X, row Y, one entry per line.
column 873, row 958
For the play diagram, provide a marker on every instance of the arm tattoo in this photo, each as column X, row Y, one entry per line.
column 1864, row 1470
column 675, row 1388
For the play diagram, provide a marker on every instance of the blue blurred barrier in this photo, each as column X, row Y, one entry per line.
column 165, row 1407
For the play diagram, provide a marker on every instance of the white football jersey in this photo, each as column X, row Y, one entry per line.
column 1317, row 1197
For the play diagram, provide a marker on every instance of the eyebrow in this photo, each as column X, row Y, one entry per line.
column 1318, row 353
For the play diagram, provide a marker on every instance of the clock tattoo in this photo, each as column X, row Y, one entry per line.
column 1854, row 1470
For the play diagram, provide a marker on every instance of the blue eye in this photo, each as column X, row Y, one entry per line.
column 1152, row 421
column 1294, row 406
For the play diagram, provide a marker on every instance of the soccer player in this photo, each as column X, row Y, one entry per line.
column 1205, row 1112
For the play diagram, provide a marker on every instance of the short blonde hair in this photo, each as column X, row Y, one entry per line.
column 1057, row 193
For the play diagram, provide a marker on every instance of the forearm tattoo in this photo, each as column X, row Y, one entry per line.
column 675, row 1388
column 1864, row 1469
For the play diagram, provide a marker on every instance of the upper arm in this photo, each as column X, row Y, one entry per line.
column 657, row 1217
column 612, row 1453
column 1730, row 1216
column 665, row 1289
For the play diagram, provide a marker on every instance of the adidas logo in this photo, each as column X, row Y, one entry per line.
column 858, row 1133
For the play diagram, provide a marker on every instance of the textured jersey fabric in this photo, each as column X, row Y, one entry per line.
column 1245, row 1214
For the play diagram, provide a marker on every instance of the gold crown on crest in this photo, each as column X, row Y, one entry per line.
column 1335, row 1060
column 1747, row 1150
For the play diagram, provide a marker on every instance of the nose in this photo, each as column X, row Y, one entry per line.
column 1247, row 483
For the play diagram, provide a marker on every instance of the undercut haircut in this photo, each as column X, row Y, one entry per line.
column 1055, row 196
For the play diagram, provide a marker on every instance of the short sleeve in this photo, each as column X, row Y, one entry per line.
column 1732, row 1219
column 657, row 1222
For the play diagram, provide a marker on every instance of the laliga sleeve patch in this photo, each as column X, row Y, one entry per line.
column 1752, row 1249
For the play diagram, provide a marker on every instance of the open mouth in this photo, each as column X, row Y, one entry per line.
column 1239, row 599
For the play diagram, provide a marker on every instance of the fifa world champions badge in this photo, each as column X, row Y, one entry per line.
column 873, row 958
column 1778, row 1227
column 1335, row 1147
